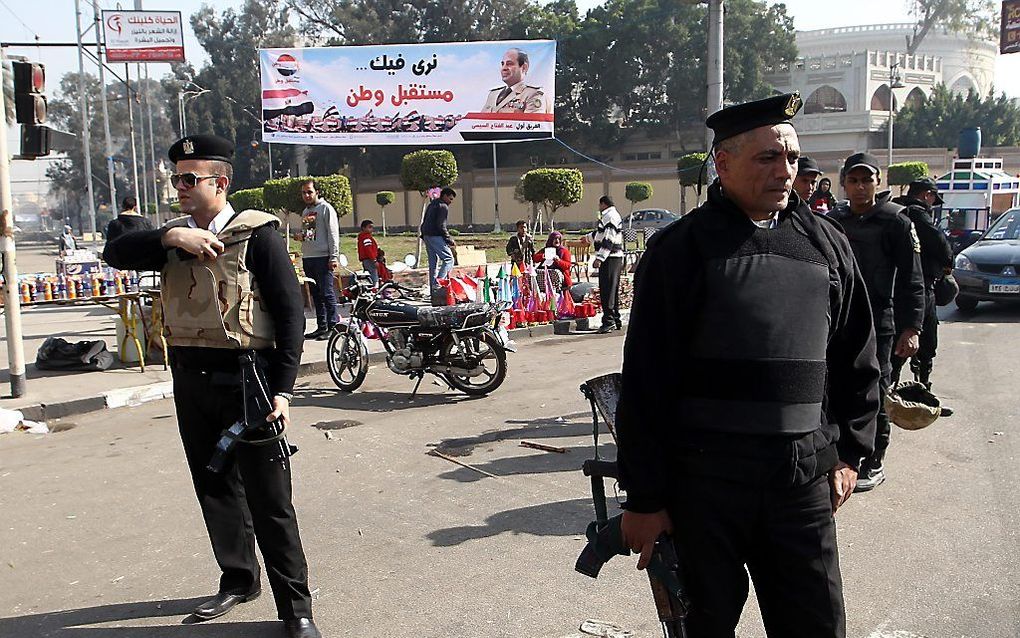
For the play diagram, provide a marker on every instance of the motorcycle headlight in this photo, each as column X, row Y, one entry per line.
column 964, row 263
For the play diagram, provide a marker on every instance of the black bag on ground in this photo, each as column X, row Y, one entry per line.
column 85, row 356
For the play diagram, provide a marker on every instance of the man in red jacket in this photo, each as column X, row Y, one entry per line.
column 368, row 250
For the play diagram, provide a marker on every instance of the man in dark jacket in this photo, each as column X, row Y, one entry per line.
column 936, row 261
column 129, row 220
column 438, row 243
column 750, row 388
column 888, row 252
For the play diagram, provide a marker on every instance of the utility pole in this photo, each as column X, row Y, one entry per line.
column 152, row 146
column 894, row 83
column 142, row 187
column 496, row 228
column 83, row 106
column 12, row 301
column 131, row 126
column 106, row 117
column 716, row 19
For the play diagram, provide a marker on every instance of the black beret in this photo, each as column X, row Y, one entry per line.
column 202, row 147
column 740, row 118
column 808, row 165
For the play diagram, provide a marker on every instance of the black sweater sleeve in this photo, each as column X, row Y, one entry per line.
column 142, row 250
column 853, row 371
column 663, row 291
column 908, row 298
column 270, row 264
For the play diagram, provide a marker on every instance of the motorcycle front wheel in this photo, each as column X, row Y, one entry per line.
column 347, row 360
column 486, row 350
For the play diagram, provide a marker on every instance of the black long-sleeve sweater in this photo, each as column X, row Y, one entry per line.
column 660, row 438
column 270, row 265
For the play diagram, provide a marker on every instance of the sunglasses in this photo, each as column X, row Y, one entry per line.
column 185, row 181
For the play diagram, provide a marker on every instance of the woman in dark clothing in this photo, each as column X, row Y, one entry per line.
column 822, row 200
column 559, row 261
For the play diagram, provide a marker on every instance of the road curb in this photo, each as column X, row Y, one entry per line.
column 137, row 395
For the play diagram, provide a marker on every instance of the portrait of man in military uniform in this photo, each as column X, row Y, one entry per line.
column 516, row 95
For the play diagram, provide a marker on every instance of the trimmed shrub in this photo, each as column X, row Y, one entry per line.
column 422, row 170
column 905, row 172
column 249, row 198
column 385, row 198
column 637, row 192
column 285, row 194
column 552, row 188
column 689, row 169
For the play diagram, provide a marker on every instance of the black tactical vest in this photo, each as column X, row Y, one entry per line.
column 759, row 341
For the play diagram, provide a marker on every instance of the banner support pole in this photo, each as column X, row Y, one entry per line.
column 496, row 228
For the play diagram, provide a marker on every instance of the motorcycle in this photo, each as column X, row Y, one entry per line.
column 463, row 345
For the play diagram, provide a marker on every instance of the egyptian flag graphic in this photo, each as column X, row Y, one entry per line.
column 277, row 102
column 286, row 65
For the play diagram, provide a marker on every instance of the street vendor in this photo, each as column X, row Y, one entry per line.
column 228, row 287
column 557, row 260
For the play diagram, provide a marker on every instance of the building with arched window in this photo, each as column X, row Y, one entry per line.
column 844, row 75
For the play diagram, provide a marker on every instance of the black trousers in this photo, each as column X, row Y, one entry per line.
column 250, row 501
column 924, row 360
column 883, row 428
column 609, row 290
column 786, row 538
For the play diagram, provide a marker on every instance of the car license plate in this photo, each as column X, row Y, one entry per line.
column 1010, row 289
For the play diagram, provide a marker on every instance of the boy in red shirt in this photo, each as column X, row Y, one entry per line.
column 368, row 250
column 384, row 272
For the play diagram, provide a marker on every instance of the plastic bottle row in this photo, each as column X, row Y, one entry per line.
column 109, row 283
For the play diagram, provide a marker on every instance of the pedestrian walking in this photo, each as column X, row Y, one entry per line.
column 320, row 253
column 228, row 288
column 439, row 244
column 745, row 311
column 368, row 251
column 936, row 262
column 887, row 249
column 608, row 242
column 521, row 245
column 129, row 220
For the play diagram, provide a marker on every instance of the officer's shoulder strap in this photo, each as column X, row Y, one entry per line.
column 248, row 220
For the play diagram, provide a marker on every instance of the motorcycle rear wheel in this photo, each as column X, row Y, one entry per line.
column 347, row 360
column 493, row 358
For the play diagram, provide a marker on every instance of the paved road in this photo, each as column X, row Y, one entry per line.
column 101, row 538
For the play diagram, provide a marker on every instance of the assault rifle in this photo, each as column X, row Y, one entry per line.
column 605, row 537
column 256, row 406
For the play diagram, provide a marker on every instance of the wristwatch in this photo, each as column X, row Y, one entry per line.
column 286, row 395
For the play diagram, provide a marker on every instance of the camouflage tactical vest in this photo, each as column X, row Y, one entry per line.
column 216, row 304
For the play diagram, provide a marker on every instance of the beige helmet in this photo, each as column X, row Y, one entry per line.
column 911, row 406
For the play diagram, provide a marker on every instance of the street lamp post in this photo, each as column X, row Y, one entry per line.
column 182, row 99
column 894, row 83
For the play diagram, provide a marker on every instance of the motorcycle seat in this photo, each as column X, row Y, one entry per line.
column 475, row 314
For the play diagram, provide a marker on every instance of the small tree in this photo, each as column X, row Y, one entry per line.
column 384, row 199
column 553, row 188
column 422, row 170
column 690, row 172
column 905, row 172
column 247, row 199
column 285, row 193
column 637, row 192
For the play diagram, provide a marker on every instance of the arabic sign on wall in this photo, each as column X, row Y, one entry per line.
column 1009, row 40
column 143, row 36
column 413, row 94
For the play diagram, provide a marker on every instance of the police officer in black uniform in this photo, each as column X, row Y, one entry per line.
column 228, row 286
column 936, row 261
column 888, row 253
column 750, row 388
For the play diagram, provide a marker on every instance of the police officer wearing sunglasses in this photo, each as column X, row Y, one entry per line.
column 228, row 285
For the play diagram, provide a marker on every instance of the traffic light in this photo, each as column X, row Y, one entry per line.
column 29, row 84
column 30, row 108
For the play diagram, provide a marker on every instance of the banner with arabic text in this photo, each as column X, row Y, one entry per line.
column 143, row 36
column 410, row 94
column 1009, row 35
